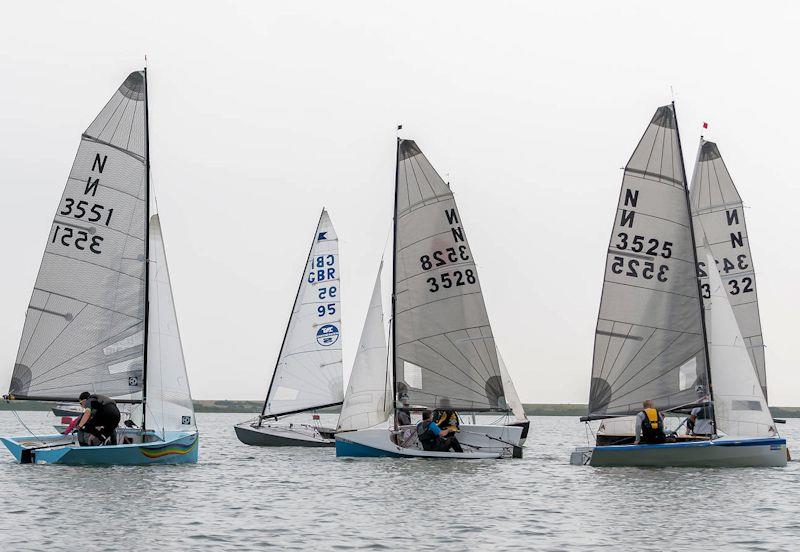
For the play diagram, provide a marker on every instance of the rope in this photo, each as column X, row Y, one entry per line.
column 16, row 415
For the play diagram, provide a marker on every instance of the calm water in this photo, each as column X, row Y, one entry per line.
column 242, row 498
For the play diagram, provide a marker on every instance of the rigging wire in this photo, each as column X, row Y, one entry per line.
column 19, row 419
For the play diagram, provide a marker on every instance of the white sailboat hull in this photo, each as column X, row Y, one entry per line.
column 478, row 442
column 719, row 453
column 284, row 435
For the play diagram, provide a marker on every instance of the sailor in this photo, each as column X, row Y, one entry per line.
column 432, row 437
column 99, row 422
column 404, row 414
column 700, row 421
column 649, row 425
column 447, row 419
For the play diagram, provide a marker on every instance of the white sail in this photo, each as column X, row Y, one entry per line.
column 84, row 327
column 512, row 397
column 444, row 350
column 308, row 373
column 718, row 214
column 169, row 401
column 739, row 405
column 368, row 401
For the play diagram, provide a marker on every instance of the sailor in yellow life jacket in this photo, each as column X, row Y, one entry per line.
column 447, row 419
column 649, row 425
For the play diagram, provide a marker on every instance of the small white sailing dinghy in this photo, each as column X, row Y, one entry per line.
column 308, row 372
column 102, row 317
column 443, row 354
column 651, row 341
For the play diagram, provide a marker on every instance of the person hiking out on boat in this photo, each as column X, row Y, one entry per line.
column 433, row 438
column 649, row 425
column 100, row 420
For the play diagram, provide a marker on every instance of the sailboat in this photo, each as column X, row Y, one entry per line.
column 652, row 341
column 101, row 317
column 308, row 372
column 442, row 353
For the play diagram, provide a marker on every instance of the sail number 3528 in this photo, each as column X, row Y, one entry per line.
column 446, row 280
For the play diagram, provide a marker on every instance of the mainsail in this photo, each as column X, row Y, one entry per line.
column 308, row 373
column 444, row 351
column 84, row 327
column 650, row 342
column 718, row 215
column 368, row 401
column 739, row 404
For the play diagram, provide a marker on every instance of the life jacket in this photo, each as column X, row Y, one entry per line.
column 652, row 427
column 427, row 438
column 446, row 419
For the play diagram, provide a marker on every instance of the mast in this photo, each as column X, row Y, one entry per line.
column 394, row 283
column 694, row 256
column 146, row 249
column 289, row 323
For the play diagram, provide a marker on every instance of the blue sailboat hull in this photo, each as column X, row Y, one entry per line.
column 177, row 448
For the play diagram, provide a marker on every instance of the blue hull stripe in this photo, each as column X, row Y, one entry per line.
column 696, row 444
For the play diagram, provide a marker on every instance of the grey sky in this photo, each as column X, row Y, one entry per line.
column 263, row 112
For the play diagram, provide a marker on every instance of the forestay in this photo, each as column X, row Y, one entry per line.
column 368, row 401
column 308, row 373
column 84, row 326
column 445, row 354
column 169, row 401
column 649, row 342
column 739, row 404
column 718, row 215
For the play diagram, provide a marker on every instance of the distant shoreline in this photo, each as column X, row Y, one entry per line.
column 249, row 407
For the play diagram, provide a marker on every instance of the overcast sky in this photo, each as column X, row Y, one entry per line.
column 263, row 112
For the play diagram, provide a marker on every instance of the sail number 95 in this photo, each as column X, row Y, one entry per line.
column 637, row 269
column 447, row 280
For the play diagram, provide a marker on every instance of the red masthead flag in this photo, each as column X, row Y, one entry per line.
column 705, row 124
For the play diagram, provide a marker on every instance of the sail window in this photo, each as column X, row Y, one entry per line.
column 412, row 374
column 687, row 374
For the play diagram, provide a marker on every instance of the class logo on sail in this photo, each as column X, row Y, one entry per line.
column 327, row 335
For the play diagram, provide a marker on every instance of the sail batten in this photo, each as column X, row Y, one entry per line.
column 308, row 373
column 649, row 339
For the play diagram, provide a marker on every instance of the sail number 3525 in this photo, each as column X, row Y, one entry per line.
column 638, row 269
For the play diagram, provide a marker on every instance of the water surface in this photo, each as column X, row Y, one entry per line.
column 247, row 498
